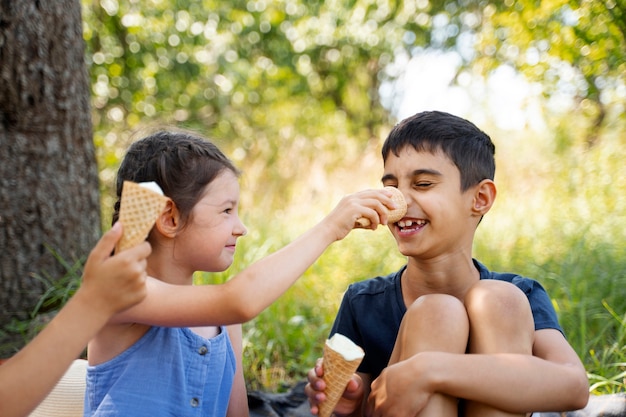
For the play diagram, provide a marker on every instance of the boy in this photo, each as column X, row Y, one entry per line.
column 444, row 336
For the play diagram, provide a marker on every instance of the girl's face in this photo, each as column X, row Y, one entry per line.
column 207, row 242
column 439, row 216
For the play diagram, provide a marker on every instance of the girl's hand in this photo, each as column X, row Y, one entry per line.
column 370, row 204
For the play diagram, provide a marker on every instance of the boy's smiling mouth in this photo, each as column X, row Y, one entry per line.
column 408, row 225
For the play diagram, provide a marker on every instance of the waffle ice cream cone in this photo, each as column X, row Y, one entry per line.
column 140, row 206
column 342, row 357
column 393, row 215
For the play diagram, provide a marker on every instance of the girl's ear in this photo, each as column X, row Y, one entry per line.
column 169, row 220
column 484, row 197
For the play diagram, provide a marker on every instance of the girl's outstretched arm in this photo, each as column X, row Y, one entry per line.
column 110, row 284
column 248, row 293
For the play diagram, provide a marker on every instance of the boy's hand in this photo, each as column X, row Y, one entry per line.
column 314, row 390
column 115, row 283
column 398, row 391
column 373, row 205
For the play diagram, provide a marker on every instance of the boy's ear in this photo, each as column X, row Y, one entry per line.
column 169, row 220
column 484, row 197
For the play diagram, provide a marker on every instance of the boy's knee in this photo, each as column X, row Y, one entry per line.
column 440, row 310
column 500, row 316
column 489, row 298
column 435, row 302
column 434, row 322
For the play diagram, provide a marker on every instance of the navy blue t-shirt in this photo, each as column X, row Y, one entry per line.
column 371, row 312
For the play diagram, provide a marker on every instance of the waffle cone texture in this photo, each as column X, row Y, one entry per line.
column 139, row 208
column 337, row 373
column 393, row 215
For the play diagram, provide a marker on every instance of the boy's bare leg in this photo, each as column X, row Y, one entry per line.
column 501, row 321
column 435, row 322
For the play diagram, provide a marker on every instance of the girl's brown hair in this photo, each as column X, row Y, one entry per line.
column 181, row 163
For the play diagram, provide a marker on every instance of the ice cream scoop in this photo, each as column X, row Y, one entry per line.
column 342, row 357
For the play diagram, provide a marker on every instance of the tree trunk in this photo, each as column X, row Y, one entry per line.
column 49, row 198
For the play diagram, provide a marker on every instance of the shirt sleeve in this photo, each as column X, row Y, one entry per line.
column 345, row 322
column 543, row 311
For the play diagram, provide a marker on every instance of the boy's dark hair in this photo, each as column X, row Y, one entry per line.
column 468, row 147
column 181, row 163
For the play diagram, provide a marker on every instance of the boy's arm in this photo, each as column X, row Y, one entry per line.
column 248, row 293
column 553, row 379
column 110, row 284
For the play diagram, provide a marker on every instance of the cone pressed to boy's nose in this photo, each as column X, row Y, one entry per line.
column 392, row 215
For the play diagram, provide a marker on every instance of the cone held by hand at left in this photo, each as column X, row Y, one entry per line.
column 140, row 206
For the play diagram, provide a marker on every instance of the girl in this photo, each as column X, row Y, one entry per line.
column 178, row 352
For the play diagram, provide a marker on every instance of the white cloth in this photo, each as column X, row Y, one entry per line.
column 67, row 398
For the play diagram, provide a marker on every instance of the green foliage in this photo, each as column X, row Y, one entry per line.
column 588, row 287
column 301, row 78
column 571, row 48
column 58, row 290
column 263, row 79
column 56, row 293
column 15, row 334
column 607, row 367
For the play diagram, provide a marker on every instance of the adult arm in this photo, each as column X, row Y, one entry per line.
column 110, row 284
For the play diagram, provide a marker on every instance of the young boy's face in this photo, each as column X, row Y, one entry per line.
column 439, row 219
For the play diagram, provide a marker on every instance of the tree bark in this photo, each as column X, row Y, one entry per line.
column 49, row 190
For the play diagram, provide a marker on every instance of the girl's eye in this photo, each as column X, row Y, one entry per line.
column 423, row 184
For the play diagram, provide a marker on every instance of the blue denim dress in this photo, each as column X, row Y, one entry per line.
column 168, row 372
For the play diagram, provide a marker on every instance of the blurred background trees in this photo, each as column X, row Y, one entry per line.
column 575, row 49
column 304, row 78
